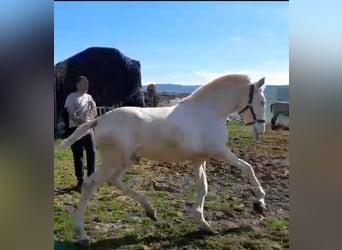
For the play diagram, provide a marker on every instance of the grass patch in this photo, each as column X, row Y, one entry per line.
column 64, row 225
column 239, row 135
column 277, row 223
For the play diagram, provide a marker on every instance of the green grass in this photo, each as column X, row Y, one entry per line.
column 236, row 128
column 277, row 224
column 115, row 221
column 238, row 133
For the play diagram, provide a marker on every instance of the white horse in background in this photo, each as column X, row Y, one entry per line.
column 192, row 130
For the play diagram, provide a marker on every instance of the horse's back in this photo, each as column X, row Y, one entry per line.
column 127, row 125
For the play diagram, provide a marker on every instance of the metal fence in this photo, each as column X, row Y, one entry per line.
column 104, row 109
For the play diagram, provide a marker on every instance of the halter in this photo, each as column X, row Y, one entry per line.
column 250, row 107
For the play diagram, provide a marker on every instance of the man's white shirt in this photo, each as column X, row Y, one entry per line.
column 80, row 106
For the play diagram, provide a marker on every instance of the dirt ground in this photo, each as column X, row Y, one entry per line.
column 229, row 189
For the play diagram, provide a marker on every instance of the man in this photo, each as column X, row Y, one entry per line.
column 81, row 108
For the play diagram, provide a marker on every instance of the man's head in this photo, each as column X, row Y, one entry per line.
column 82, row 84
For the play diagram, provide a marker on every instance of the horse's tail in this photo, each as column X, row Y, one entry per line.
column 271, row 107
column 77, row 134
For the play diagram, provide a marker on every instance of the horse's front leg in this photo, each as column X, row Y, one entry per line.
column 246, row 169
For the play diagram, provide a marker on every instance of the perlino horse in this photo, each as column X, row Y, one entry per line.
column 193, row 130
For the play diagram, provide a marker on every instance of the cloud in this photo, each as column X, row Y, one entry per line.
column 235, row 38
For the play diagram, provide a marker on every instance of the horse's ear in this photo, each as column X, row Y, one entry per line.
column 261, row 82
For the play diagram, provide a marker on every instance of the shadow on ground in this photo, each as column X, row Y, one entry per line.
column 66, row 190
column 133, row 239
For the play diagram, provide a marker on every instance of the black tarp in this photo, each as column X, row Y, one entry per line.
column 114, row 79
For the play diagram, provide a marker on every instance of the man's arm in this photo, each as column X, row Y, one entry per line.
column 92, row 105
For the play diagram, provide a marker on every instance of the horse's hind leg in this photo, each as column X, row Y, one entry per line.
column 202, row 190
column 135, row 157
column 117, row 181
column 88, row 188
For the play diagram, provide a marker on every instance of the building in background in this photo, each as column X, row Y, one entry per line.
column 275, row 93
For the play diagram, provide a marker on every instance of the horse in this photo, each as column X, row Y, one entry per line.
column 234, row 116
column 192, row 130
column 278, row 108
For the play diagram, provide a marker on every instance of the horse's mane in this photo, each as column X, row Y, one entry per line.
column 227, row 79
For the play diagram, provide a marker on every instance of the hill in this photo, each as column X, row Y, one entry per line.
column 174, row 88
column 279, row 92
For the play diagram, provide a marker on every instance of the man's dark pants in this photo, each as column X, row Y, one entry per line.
column 77, row 148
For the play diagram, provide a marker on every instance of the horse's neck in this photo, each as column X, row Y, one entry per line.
column 222, row 100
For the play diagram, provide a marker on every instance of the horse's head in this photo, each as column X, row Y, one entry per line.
column 253, row 111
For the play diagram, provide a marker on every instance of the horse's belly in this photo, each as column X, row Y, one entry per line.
column 167, row 158
column 167, row 142
column 171, row 151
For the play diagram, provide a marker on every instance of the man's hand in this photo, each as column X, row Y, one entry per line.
column 78, row 120
column 92, row 108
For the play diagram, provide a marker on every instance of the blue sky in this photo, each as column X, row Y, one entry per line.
column 182, row 42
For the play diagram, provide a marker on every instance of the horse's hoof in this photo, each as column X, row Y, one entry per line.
column 84, row 242
column 154, row 218
column 152, row 215
column 259, row 208
column 206, row 230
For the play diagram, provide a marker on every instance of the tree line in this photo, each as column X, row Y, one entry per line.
column 151, row 96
